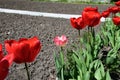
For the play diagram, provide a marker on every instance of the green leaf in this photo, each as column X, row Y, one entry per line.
column 96, row 64
column 57, row 64
column 102, row 70
column 111, row 39
column 98, row 74
column 108, row 75
column 111, row 56
column 77, row 60
column 88, row 59
column 109, row 60
column 62, row 74
column 72, row 79
column 80, row 73
column 61, row 58
column 91, row 66
column 87, row 76
column 78, row 78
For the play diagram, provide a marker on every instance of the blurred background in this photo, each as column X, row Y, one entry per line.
column 82, row 1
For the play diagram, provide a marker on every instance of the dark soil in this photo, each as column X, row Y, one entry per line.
column 14, row 26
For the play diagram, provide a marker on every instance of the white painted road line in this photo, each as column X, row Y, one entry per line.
column 34, row 13
column 44, row 14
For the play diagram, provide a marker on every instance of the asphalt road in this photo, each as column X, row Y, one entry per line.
column 14, row 26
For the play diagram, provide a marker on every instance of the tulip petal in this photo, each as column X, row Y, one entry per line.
column 24, row 50
column 60, row 41
column 4, row 65
column 1, row 52
column 8, row 46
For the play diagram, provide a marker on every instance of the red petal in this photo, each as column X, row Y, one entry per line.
column 1, row 52
column 4, row 68
column 89, row 8
column 35, row 47
column 8, row 45
column 77, row 23
column 25, row 50
column 9, row 58
column 116, row 20
column 21, row 52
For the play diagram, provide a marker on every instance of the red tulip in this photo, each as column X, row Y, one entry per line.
column 24, row 50
column 105, row 14
column 116, row 20
column 114, row 9
column 5, row 63
column 77, row 23
column 89, row 8
column 60, row 41
column 91, row 18
column 117, row 3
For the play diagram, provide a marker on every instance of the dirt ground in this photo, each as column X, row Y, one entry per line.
column 17, row 26
column 14, row 26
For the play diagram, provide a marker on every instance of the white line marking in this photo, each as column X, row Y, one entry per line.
column 34, row 13
column 44, row 14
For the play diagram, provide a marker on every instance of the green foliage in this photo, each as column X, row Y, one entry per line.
column 98, row 57
column 114, row 0
column 59, row 63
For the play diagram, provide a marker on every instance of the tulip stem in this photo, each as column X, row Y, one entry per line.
column 79, row 33
column 93, row 33
column 26, row 67
column 114, row 36
column 88, row 34
column 61, row 49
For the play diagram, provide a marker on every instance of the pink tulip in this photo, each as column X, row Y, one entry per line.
column 60, row 41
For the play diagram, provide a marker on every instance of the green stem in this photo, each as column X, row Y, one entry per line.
column 88, row 38
column 26, row 67
column 79, row 39
column 62, row 64
column 113, row 15
column 79, row 33
column 88, row 29
column 104, row 26
column 114, row 36
column 93, row 33
column 61, row 48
